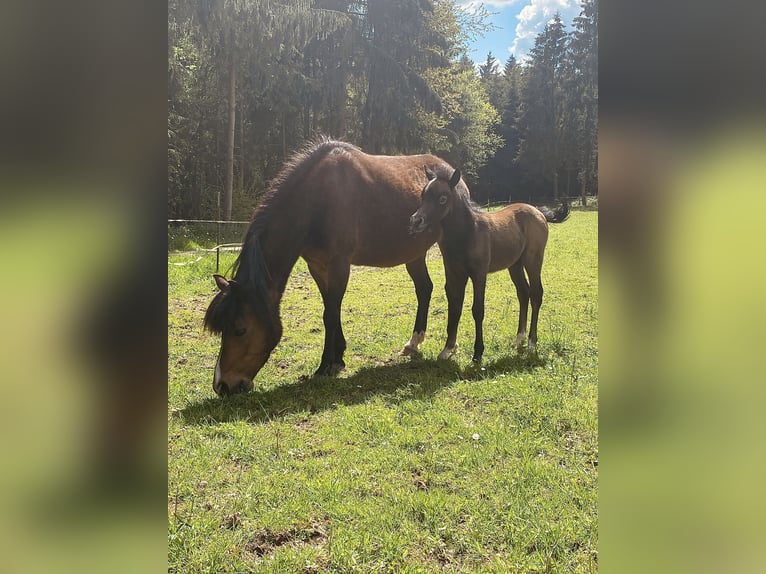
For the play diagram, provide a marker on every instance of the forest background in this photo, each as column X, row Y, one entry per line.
column 250, row 81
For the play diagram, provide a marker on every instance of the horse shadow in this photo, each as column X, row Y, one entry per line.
column 415, row 379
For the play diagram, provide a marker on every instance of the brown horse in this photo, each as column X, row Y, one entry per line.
column 335, row 206
column 476, row 243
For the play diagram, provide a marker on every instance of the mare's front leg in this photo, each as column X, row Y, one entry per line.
column 455, row 288
column 423, row 288
column 479, row 286
column 332, row 280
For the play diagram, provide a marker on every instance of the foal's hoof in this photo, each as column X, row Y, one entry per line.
column 411, row 348
column 447, row 352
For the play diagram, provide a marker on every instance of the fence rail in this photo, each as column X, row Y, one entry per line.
column 205, row 236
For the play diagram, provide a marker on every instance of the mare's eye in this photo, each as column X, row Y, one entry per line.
column 442, row 200
column 240, row 331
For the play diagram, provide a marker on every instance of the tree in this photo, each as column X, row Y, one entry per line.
column 398, row 30
column 489, row 68
column 250, row 80
column 541, row 108
column 583, row 58
column 463, row 133
column 501, row 179
column 251, row 34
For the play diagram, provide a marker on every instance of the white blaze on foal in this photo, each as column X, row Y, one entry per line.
column 447, row 352
column 411, row 348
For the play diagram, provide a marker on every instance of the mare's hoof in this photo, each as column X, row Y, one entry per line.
column 330, row 370
column 410, row 351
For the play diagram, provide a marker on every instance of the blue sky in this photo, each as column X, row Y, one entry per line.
column 518, row 22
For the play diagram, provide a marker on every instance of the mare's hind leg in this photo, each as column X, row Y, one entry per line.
column 522, row 292
column 455, row 289
column 423, row 289
column 331, row 280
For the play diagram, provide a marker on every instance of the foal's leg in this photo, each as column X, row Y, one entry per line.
column 332, row 280
column 479, row 285
column 522, row 292
column 534, row 268
column 423, row 289
column 455, row 288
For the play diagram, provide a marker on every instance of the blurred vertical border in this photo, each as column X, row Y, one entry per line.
column 682, row 170
column 83, row 290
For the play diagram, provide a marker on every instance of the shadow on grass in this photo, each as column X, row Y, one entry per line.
column 415, row 379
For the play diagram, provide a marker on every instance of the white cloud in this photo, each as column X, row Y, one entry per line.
column 533, row 18
column 473, row 4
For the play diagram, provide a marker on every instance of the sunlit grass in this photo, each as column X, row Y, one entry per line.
column 399, row 464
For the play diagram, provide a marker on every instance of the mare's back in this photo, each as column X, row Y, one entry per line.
column 373, row 198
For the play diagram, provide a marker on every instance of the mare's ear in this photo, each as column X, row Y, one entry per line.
column 455, row 179
column 221, row 282
column 429, row 174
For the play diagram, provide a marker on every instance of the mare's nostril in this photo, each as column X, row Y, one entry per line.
column 223, row 390
column 242, row 386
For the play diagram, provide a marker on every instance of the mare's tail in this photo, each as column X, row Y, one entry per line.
column 558, row 215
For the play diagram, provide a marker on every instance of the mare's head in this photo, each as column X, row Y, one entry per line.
column 246, row 315
column 437, row 200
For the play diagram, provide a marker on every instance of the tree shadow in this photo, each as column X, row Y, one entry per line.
column 415, row 379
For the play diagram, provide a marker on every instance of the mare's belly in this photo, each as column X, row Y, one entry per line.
column 389, row 250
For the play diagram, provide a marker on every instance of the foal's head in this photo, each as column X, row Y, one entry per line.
column 437, row 199
column 247, row 319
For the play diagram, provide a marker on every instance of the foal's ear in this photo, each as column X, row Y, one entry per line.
column 429, row 174
column 455, row 179
column 221, row 282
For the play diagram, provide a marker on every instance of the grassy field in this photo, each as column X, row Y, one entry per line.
column 399, row 464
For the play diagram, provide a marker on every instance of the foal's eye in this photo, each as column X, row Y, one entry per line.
column 442, row 200
column 240, row 331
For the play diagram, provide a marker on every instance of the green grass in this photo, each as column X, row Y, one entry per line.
column 399, row 464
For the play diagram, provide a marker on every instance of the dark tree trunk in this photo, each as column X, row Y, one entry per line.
column 229, row 181
column 241, row 182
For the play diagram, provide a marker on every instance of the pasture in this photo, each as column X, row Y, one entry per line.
column 399, row 464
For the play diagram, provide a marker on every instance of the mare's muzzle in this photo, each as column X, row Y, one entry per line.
column 224, row 390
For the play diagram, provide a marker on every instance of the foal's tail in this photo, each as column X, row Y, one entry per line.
column 558, row 215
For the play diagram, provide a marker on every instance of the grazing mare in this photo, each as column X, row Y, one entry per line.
column 476, row 243
column 335, row 206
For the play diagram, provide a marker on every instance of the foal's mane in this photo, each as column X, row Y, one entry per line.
column 250, row 270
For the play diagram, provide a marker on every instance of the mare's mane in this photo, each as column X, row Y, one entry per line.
column 250, row 270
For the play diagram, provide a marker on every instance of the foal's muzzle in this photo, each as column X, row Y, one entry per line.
column 417, row 223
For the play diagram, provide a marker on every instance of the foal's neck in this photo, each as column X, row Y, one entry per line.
column 458, row 225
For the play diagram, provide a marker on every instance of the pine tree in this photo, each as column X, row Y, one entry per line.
column 583, row 57
column 489, row 68
column 397, row 29
column 541, row 109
